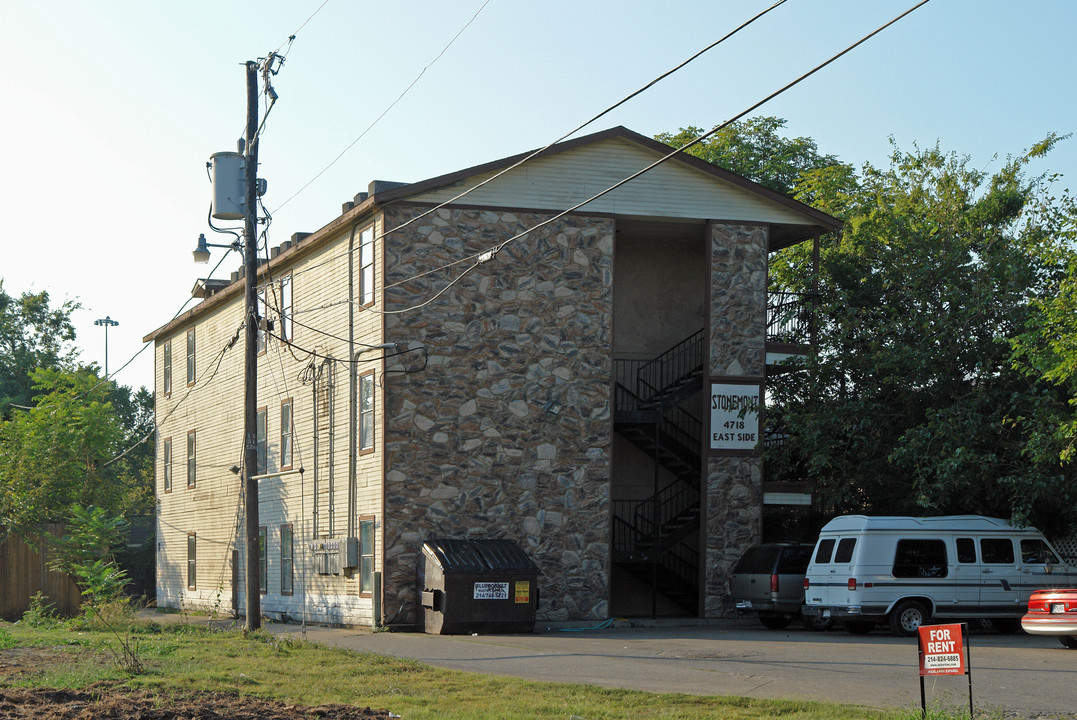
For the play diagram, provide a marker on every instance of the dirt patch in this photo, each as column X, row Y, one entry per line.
column 18, row 661
column 109, row 704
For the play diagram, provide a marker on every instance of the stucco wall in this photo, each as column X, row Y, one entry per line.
column 471, row 449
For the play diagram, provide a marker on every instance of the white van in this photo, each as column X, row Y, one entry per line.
column 908, row 570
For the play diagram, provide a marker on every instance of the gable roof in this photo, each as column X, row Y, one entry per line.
column 573, row 171
column 566, row 174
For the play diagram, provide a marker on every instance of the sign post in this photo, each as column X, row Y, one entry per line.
column 942, row 652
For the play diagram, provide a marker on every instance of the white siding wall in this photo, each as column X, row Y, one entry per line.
column 213, row 408
column 672, row 190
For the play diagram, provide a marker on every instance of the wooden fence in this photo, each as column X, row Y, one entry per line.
column 24, row 571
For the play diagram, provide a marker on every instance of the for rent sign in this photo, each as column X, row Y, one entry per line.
column 942, row 651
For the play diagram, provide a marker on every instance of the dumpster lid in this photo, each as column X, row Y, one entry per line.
column 455, row 555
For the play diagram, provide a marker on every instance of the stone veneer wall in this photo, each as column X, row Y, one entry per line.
column 738, row 348
column 471, row 450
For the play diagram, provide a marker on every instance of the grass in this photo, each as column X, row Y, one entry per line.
column 183, row 658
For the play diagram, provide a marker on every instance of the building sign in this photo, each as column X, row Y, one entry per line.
column 941, row 650
column 734, row 411
column 491, row 591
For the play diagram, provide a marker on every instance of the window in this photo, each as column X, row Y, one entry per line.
column 826, row 548
column 366, row 412
column 286, row 307
column 366, row 266
column 263, row 338
column 260, row 442
column 966, row 550
column 997, row 551
column 190, row 357
column 263, row 569
column 1037, row 552
column 191, row 537
column 286, row 434
column 366, row 555
column 920, row 559
column 190, row 459
column 286, row 559
column 166, row 462
column 167, row 363
column 844, row 552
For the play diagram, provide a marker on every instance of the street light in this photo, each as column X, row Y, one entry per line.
column 201, row 253
column 107, row 322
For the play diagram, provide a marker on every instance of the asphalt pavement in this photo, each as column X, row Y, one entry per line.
column 1012, row 675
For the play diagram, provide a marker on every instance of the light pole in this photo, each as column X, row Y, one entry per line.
column 107, row 322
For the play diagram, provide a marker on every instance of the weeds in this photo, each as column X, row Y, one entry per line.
column 40, row 613
column 7, row 640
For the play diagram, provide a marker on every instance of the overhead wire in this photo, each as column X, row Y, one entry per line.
column 216, row 362
column 489, row 253
column 147, row 344
column 570, row 133
column 535, row 153
column 386, row 110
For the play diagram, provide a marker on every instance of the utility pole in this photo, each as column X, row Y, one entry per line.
column 250, row 374
column 108, row 322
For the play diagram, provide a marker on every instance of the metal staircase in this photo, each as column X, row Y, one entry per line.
column 650, row 537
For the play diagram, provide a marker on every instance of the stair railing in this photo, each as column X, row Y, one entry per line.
column 672, row 368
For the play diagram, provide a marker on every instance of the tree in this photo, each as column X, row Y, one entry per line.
column 912, row 405
column 59, row 453
column 32, row 335
column 1047, row 347
column 754, row 149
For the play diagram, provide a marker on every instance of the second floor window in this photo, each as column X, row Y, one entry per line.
column 166, row 361
column 263, row 451
column 286, row 434
column 263, row 313
column 166, row 461
column 190, row 459
column 285, row 287
column 190, row 357
column 366, row 266
column 366, row 412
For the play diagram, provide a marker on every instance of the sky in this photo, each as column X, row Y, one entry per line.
column 110, row 110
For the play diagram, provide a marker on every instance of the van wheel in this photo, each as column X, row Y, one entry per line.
column 907, row 617
column 1069, row 641
column 859, row 627
column 775, row 622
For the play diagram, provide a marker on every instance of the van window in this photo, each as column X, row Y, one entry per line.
column 966, row 550
column 1037, row 552
column 996, row 550
column 845, row 550
column 826, row 547
column 920, row 559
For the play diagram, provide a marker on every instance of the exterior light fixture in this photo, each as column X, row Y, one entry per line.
column 201, row 253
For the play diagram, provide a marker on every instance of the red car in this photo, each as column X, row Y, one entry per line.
column 1053, row 612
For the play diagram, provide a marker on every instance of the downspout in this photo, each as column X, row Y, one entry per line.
column 353, row 382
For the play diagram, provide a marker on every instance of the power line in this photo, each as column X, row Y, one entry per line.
column 488, row 254
column 532, row 155
column 386, row 111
